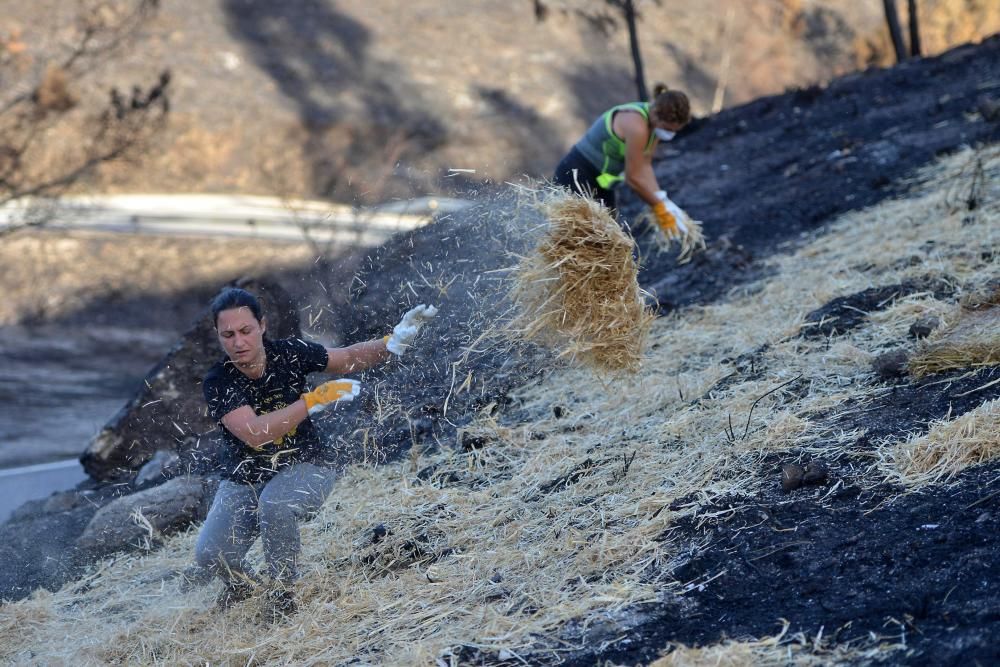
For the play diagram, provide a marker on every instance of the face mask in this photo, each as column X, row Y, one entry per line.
column 664, row 135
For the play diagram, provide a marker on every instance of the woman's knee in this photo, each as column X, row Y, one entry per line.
column 216, row 558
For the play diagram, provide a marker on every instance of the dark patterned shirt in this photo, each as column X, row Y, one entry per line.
column 226, row 388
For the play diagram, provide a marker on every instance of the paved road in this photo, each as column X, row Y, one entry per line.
column 232, row 215
column 19, row 485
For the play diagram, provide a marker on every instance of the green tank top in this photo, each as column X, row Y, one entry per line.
column 606, row 150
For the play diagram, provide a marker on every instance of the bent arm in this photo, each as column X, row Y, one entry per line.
column 639, row 174
column 258, row 430
column 357, row 357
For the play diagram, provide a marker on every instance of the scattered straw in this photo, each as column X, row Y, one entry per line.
column 780, row 650
column 948, row 448
column 971, row 341
column 577, row 291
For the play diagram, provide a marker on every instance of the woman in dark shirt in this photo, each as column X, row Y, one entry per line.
column 258, row 394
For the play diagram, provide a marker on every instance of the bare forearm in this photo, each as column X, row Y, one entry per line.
column 357, row 357
column 268, row 427
column 643, row 181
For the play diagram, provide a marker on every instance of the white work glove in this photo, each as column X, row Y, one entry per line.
column 404, row 332
column 329, row 393
column 669, row 216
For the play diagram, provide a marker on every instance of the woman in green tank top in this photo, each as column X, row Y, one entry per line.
column 618, row 147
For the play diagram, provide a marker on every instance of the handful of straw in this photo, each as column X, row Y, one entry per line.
column 577, row 290
column 691, row 240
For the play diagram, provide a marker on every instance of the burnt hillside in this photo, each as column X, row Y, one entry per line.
column 520, row 510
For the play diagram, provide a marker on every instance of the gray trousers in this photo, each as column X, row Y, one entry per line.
column 239, row 514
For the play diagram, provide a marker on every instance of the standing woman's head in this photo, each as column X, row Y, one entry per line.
column 670, row 109
column 240, row 326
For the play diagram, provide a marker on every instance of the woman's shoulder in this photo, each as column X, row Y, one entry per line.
column 289, row 345
column 296, row 352
column 629, row 123
column 219, row 372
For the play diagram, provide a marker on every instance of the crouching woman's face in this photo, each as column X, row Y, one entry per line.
column 241, row 335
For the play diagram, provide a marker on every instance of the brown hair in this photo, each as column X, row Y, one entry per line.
column 670, row 106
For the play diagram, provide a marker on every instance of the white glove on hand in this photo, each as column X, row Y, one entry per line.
column 404, row 332
column 679, row 215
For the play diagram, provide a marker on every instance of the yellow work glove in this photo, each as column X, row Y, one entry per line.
column 330, row 392
column 669, row 217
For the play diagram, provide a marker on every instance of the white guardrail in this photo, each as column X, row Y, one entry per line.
column 230, row 215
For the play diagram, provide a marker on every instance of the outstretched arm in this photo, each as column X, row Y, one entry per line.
column 357, row 357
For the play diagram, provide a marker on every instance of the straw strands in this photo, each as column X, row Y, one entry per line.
column 781, row 650
column 948, row 448
column 971, row 341
column 577, row 291
column 687, row 243
column 562, row 519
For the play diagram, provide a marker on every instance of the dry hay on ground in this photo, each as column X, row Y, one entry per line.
column 972, row 340
column 948, row 448
column 562, row 522
column 577, row 291
column 780, row 650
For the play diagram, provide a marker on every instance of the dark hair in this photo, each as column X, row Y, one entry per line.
column 670, row 106
column 234, row 297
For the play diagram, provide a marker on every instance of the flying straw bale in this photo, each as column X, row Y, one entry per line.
column 971, row 340
column 577, row 290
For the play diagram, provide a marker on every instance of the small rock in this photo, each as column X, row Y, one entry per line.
column 137, row 520
column 472, row 442
column 496, row 578
column 62, row 502
column 923, row 327
column 161, row 467
column 422, row 428
column 791, row 476
column 891, row 365
column 989, row 109
column 815, row 473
